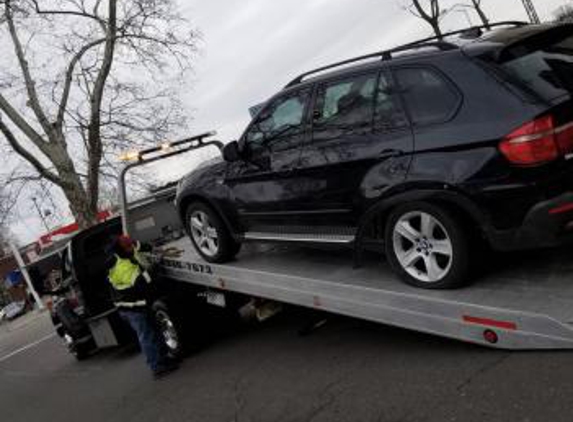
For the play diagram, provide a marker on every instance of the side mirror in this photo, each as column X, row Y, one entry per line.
column 231, row 152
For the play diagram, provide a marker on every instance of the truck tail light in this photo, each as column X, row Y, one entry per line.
column 532, row 144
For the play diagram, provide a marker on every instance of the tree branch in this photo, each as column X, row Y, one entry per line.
column 20, row 122
column 29, row 82
column 24, row 153
column 421, row 10
column 78, row 56
column 435, row 8
column 432, row 16
column 80, row 13
column 69, row 78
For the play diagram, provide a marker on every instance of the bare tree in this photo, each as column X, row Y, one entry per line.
column 93, row 76
column 564, row 13
column 430, row 11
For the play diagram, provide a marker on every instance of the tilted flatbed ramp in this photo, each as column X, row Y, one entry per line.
column 525, row 303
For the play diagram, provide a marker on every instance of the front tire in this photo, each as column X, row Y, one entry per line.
column 209, row 234
column 427, row 246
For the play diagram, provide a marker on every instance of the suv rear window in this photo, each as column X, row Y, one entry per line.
column 543, row 65
column 429, row 98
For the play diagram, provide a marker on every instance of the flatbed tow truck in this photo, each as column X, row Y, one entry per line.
column 525, row 303
column 520, row 302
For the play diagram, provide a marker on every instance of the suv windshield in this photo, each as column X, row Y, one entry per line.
column 543, row 64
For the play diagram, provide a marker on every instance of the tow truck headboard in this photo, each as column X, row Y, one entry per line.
column 154, row 219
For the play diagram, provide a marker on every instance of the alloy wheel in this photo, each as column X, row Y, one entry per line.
column 423, row 246
column 204, row 233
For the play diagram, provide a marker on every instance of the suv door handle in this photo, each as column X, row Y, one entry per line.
column 391, row 153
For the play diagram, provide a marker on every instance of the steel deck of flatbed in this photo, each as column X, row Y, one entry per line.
column 527, row 301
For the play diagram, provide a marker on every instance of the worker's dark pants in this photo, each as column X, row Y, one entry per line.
column 147, row 335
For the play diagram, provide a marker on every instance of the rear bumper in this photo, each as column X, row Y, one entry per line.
column 547, row 224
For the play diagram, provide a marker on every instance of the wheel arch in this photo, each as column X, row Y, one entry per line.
column 196, row 197
column 463, row 206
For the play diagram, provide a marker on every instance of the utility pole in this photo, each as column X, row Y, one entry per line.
column 41, row 214
column 26, row 275
column 531, row 12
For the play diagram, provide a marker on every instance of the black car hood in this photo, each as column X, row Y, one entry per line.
column 210, row 168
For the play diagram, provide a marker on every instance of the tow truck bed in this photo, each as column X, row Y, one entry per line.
column 526, row 302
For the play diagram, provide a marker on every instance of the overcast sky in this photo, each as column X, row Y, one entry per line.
column 252, row 48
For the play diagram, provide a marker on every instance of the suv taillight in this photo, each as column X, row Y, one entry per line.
column 538, row 142
column 531, row 144
column 564, row 136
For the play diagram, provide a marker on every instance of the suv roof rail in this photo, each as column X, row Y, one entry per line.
column 385, row 55
column 474, row 32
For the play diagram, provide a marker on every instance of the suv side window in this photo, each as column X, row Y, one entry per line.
column 345, row 103
column 428, row 96
column 282, row 120
column 388, row 112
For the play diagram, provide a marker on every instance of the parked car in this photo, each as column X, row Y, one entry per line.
column 13, row 310
column 423, row 153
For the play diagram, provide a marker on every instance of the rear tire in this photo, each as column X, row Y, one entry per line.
column 427, row 246
column 71, row 327
column 81, row 351
column 209, row 234
column 169, row 329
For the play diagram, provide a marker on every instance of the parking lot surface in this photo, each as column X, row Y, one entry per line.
column 348, row 370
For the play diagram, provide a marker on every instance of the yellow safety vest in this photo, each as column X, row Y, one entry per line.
column 124, row 273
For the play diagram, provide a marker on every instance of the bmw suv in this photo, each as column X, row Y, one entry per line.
column 423, row 152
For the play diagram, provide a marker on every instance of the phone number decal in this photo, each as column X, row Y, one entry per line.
column 189, row 266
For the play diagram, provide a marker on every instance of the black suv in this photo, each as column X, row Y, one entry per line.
column 424, row 151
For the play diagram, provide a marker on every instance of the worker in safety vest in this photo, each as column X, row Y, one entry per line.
column 129, row 276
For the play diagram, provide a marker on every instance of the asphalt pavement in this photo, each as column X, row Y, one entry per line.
column 348, row 370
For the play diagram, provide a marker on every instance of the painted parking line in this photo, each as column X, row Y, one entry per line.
column 27, row 347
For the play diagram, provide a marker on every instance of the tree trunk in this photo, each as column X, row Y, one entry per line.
column 481, row 13
column 80, row 206
column 437, row 30
column 80, row 203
